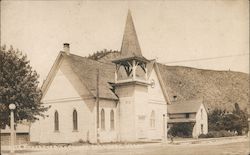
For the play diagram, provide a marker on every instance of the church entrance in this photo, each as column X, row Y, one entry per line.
column 141, row 128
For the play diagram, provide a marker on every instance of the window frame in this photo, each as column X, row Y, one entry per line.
column 102, row 119
column 152, row 120
column 202, row 129
column 201, row 114
column 112, row 120
column 56, row 121
column 75, row 120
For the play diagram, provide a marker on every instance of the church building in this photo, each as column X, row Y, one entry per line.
column 123, row 99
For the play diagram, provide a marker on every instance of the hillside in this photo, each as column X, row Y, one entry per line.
column 218, row 89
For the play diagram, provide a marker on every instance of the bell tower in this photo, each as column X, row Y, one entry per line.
column 131, row 66
column 131, row 85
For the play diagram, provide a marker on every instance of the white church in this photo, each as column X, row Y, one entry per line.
column 120, row 100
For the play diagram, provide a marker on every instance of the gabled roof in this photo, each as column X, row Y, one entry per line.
column 86, row 70
column 191, row 106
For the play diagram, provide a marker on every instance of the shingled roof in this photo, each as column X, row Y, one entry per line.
column 86, row 70
column 184, row 107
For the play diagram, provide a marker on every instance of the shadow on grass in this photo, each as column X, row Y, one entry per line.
column 19, row 151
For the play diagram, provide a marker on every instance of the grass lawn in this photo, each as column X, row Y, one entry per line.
column 236, row 148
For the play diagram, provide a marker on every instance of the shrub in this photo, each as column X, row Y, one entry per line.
column 181, row 130
column 217, row 134
column 202, row 136
column 80, row 141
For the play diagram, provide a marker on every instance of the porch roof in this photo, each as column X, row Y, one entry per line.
column 181, row 120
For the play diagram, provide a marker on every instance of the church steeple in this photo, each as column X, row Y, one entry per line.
column 130, row 44
column 130, row 65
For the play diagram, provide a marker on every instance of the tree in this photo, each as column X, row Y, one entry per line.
column 242, row 119
column 18, row 85
column 215, row 120
column 236, row 120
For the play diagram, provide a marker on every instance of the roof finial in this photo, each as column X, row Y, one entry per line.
column 130, row 43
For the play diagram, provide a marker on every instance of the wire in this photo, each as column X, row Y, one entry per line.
column 187, row 60
column 210, row 58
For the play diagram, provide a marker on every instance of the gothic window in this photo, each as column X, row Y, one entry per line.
column 56, row 121
column 201, row 113
column 102, row 119
column 75, row 123
column 112, row 120
column 152, row 119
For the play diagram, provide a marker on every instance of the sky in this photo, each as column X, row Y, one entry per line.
column 212, row 34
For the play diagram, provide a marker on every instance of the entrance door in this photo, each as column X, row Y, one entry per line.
column 141, row 127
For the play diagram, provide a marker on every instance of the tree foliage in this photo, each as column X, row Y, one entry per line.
column 99, row 54
column 18, row 85
column 222, row 120
column 181, row 130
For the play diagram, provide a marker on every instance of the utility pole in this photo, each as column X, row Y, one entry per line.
column 97, row 106
column 164, row 128
column 12, row 107
column 0, row 133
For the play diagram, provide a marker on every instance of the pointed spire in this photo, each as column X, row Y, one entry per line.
column 130, row 43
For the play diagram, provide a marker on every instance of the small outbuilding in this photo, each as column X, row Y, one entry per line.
column 193, row 112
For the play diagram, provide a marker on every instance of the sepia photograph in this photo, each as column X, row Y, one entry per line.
column 143, row 77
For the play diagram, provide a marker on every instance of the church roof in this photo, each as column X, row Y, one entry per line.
column 191, row 106
column 86, row 70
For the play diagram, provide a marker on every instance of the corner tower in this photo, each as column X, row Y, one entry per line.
column 131, row 86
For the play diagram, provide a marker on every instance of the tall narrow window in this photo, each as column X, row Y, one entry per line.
column 56, row 121
column 75, row 123
column 112, row 120
column 202, row 129
column 201, row 113
column 102, row 119
column 152, row 119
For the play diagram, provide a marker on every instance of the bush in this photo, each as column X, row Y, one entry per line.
column 181, row 130
column 202, row 136
column 217, row 134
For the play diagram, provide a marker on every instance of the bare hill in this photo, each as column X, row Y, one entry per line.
column 219, row 89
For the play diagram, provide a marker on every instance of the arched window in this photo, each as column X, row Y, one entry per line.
column 56, row 121
column 75, row 124
column 112, row 120
column 102, row 119
column 152, row 119
column 201, row 113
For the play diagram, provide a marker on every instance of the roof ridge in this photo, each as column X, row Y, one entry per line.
column 82, row 57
